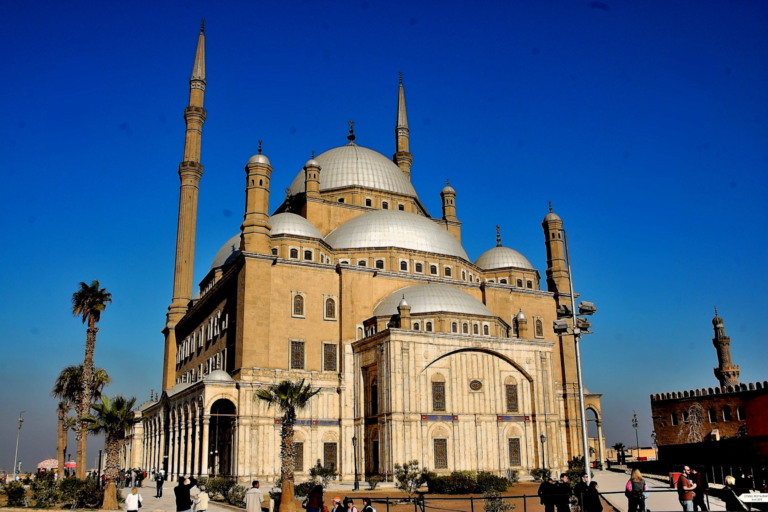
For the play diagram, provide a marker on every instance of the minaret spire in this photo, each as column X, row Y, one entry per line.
column 726, row 372
column 402, row 157
column 190, row 172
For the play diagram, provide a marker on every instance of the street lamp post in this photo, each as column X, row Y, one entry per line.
column 354, row 456
column 543, row 440
column 16, row 455
column 637, row 442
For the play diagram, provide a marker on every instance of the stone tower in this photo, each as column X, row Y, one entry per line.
column 726, row 372
column 402, row 157
column 190, row 172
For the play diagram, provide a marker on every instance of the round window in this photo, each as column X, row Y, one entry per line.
column 475, row 385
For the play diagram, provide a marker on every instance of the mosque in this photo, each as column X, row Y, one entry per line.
column 418, row 351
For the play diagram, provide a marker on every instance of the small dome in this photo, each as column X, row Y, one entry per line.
column 259, row 158
column 502, row 257
column 403, row 303
column 432, row 298
column 227, row 253
column 312, row 163
column 218, row 376
column 448, row 190
column 551, row 216
column 394, row 228
column 354, row 165
column 293, row 224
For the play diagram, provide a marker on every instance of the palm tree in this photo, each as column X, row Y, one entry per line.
column 288, row 397
column 88, row 302
column 68, row 388
column 114, row 418
column 619, row 447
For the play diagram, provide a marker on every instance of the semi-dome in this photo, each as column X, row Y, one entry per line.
column 502, row 257
column 432, row 298
column 354, row 165
column 227, row 252
column 394, row 228
column 218, row 376
column 292, row 224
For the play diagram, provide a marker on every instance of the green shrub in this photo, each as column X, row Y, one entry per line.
column 322, row 474
column 495, row 503
column 304, row 488
column 44, row 491
column 236, row 496
column 373, row 482
column 16, row 494
column 540, row 474
column 409, row 477
column 488, row 482
column 82, row 493
column 218, row 487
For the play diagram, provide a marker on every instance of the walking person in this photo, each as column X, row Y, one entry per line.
column 702, row 486
column 635, row 492
column 685, row 490
column 730, row 497
column 159, row 479
column 337, row 506
column 592, row 501
column 563, row 494
column 201, row 502
column 254, row 498
column 580, row 489
column 183, row 499
column 367, row 507
column 546, row 492
column 133, row 501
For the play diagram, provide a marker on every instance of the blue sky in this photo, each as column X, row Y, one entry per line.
column 645, row 123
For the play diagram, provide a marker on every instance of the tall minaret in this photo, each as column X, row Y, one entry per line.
column 402, row 157
column 190, row 172
column 726, row 372
column 557, row 266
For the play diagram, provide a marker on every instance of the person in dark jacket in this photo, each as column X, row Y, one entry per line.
column 592, row 501
column 730, row 496
column 181, row 491
column 702, row 486
column 580, row 489
column 546, row 494
column 563, row 494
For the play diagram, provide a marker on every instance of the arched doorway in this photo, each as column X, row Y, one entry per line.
column 221, row 436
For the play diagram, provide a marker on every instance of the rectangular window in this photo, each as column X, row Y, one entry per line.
column 441, row 453
column 330, row 357
column 438, row 396
column 330, row 455
column 512, row 405
column 297, row 355
column 514, row 451
column 298, row 449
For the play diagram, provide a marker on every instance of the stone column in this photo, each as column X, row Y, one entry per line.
column 186, row 438
column 600, row 454
column 206, row 423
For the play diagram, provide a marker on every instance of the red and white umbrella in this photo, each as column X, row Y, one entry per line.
column 70, row 465
column 49, row 464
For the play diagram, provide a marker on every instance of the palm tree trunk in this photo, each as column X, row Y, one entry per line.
column 61, row 442
column 287, row 458
column 85, row 408
column 112, row 449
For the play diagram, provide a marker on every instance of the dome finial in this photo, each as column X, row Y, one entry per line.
column 400, row 76
column 260, row 146
column 313, row 154
column 550, row 207
column 498, row 235
column 351, row 136
column 202, row 26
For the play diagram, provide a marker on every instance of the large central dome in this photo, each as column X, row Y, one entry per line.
column 354, row 165
column 393, row 228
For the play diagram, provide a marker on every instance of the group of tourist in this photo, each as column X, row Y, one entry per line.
column 557, row 496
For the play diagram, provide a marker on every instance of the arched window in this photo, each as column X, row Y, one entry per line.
column 274, row 251
column 454, row 327
column 294, row 254
column 308, row 255
column 529, row 284
column 727, row 414
column 486, row 330
column 465, row 328
column 433, row 270
column 404, row 266
column 503, row 281
column 740, row 413
column 519, row 283
column 415, row 326
column 384, row 205
column 475, row 329
column 330, row 308
column 401, row 207
column 428, row 326
column 298, row 305
column 447, row 271
column 674, row 419
column 361, row 263
column 539, row 328
column 510, row 390
column 438, row 393
column 463, row 275
column 418, row 267
column 380, row 264
column 368, row 201
column 712, row 413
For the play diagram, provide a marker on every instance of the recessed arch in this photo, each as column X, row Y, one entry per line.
column 484, row 351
